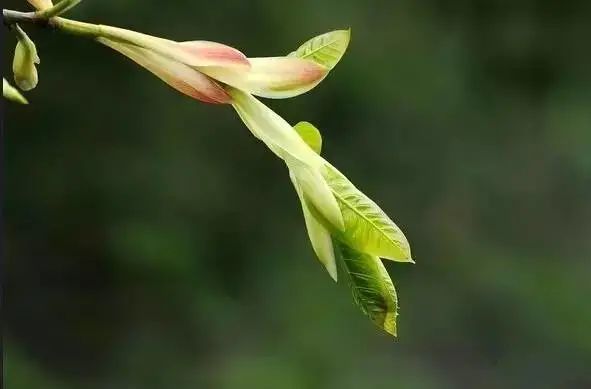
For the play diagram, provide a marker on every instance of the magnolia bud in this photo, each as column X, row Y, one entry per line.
column 23, row 65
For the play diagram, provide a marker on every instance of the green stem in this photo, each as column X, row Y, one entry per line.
column 75, row 27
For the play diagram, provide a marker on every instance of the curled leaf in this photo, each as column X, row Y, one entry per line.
column 372, row 288
column 318, row 234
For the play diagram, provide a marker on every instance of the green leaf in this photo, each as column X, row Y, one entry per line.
column 326, row 49
column 372, row 288
column 367, row 228
column 310, row 135
column 318, row 234
column 11, row 93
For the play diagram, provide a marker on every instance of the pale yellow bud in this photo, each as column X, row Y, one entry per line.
column 41, row 4
column 23, row 64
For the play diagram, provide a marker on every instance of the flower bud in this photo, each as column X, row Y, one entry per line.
column 181, row 77
column 41, row 4
column 23, row 65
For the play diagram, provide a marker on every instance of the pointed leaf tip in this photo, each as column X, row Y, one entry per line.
column 372, row 287
column 326, row 49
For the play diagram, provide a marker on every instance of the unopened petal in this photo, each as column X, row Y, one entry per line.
column 207, row 53
column 191, row 53
column 180, row 76
column 272, row 77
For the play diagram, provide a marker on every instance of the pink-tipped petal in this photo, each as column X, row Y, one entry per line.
column 205, row 53
column 272, row 77
column 181, row 77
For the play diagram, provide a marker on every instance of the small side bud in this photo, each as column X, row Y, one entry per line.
column 11, row 93
column 56, row 10
column 41, row 4
column 25, row 59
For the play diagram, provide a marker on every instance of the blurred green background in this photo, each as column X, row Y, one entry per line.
column 152, row 242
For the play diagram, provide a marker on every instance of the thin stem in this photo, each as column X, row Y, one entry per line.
column 69, row 26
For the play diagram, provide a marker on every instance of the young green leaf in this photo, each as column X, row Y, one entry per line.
column 372, row 288
column 367, row 228
column 310, row 135
column 326, row 49
column 11, row 93
column 318, row 234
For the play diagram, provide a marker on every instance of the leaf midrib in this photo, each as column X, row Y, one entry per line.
column 339, row 197
column 312, row 52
